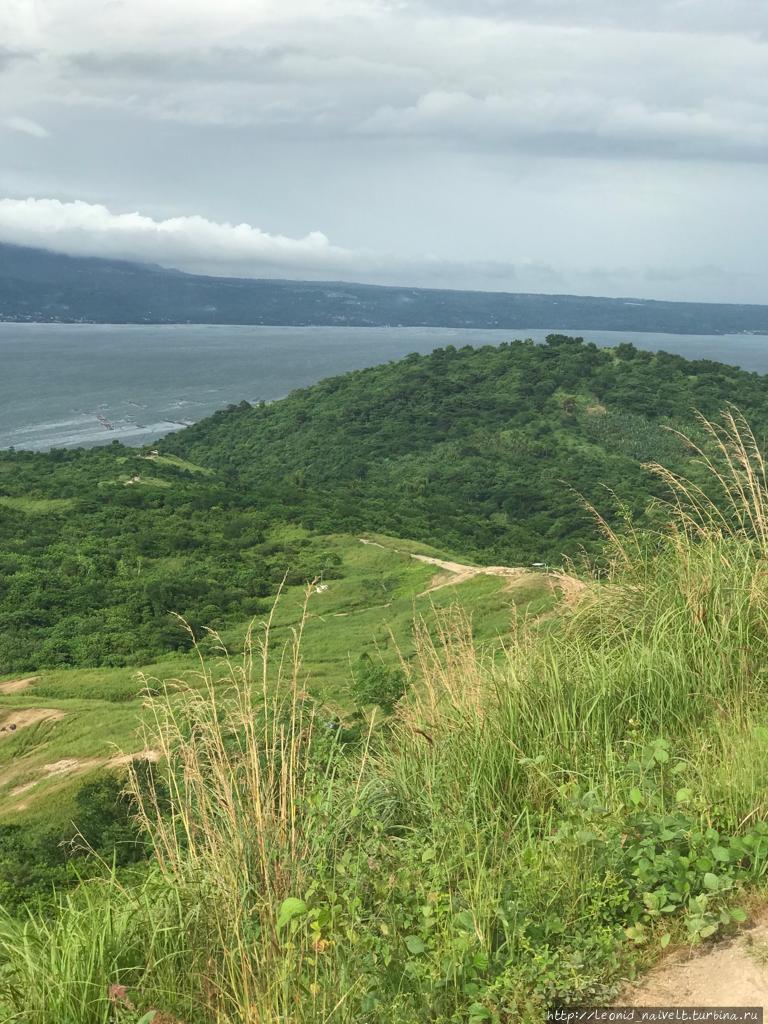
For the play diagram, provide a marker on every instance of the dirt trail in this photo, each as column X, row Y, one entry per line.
column 17, row 685
column 121, row 760
column 572, row 589
column 732, row 973
column 71, row 764
column 456, row 572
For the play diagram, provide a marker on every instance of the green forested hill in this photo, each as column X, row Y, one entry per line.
column 475, row 449
column 482, row 453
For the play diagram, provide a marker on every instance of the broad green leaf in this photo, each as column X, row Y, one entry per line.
column 665, row 940
column 711, row 881
column 290, row 908
column 478, row 1013
column 585, row 836
column 636, row 796
column 414, row 945
column 465, row 920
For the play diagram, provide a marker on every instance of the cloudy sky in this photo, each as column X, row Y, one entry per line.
column 611, row 147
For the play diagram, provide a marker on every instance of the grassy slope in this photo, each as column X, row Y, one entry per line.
column 370, row 608
column 531, row 831
column 548, row 817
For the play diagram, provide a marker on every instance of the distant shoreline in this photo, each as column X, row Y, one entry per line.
column 148, row 379
column 581, row 331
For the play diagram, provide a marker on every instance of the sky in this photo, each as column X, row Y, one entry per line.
column 602, row 147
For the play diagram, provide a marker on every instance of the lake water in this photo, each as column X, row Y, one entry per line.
column 63, row 385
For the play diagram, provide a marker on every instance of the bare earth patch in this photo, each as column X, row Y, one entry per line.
column 74, row 766
column 120, row 760
column 24, row 789
column 17, row 685
column 454, row 573
column 732, row 973
column 572, row 589
column 67, row 765
column 24, row 717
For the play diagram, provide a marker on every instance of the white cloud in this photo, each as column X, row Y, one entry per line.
column 198, row 245
column 26, row 126
column 80, row 228
column 581, row 123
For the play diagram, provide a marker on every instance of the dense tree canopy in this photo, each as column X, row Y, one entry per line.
column 480, row 450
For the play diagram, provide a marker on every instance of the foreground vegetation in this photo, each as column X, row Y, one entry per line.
column 57, row 768
column 519, row 831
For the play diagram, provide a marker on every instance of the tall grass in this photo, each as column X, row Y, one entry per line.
column 526, row 828
column 71, row 967
column 248, row 803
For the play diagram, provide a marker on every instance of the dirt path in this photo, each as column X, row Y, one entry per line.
column 71, row 764
column 17, row 685
column 731, row 973
column 121, row 760
column 454, row 572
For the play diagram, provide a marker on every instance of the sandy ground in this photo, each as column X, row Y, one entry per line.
column 458, row 573
column 120, row 760
column 67, row 765
column 23, row 717
column 733, row 973
column 17, row 685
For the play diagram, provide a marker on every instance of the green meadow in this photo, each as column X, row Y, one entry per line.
column 368, row 608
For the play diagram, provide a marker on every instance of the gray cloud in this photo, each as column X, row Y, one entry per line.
column 669, row 78
column 219, row 63
column 582, row 125
column 10, row 57
column 676, row 15
column 534, row 86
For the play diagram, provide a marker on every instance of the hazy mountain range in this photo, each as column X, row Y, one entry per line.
column 38, row 285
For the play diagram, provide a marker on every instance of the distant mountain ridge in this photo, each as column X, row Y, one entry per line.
column 38, row 285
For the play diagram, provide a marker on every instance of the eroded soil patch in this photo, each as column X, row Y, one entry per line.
column 733, row 973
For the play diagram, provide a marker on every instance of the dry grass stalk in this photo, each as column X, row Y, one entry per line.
column 225, row 809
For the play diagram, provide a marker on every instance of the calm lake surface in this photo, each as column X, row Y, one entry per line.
column 63, row 385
